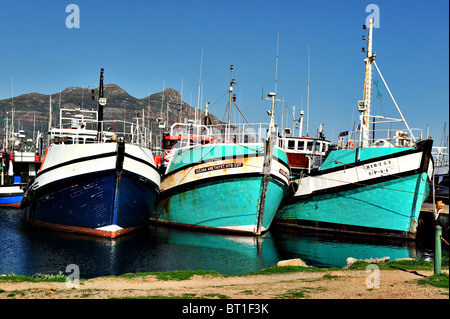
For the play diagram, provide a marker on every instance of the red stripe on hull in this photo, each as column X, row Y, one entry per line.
column 83, row 230
column 12, row 205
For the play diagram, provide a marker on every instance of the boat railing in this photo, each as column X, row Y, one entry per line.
column 111, row 131
column 440, row 155
column 242, row 133
column 130, row 132
column 379, row 138
column 189, row 134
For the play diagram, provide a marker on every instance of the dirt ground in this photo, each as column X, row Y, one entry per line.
column 336, row 284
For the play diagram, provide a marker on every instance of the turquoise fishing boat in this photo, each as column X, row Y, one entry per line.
column 219, row 186
column 234, row 183
column 367, row 185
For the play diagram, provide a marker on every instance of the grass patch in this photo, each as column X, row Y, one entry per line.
column 183, row 296
column 330, row 277
column 286, row 269
column 177, row 275
column 14, row 293
column 415, row 264
column 60, row 277
column 299, row 293
column 220, row 296
column 293, row 294
column 440, row 281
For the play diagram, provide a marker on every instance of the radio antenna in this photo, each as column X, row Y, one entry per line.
column 276, row 63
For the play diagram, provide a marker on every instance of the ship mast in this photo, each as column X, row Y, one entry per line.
column 365, row 105
column 230, row 100
column 101, row 104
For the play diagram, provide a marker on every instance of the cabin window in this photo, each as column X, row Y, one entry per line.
column 309, row 146
column 291, row 144
column 318, row 146
column 90, row 141
column 168, row 144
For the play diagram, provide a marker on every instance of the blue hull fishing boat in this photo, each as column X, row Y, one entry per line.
column 91, row 181
column 366, row 185
column 234, row 183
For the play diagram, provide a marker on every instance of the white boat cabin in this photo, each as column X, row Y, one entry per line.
column 304, row 153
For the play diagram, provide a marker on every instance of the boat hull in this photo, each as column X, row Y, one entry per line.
column 222, row 193
column 11, row 200
column 381, row 195
column 107, row 199
column 228, row 205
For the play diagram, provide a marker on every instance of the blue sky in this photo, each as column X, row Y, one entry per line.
column 144, row 45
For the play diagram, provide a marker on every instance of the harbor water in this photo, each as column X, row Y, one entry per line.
column 25, row 250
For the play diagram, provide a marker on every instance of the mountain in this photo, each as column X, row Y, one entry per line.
column 32, row 109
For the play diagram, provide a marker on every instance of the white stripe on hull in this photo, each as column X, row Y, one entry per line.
column 359, row 174
column 60, row 154
column 15, row 190
column 111, row 228
column 139, row 168
column 244, row 228
column 226, row 167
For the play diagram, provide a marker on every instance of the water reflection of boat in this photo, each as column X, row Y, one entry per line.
column 162, row 248
column 332, row 250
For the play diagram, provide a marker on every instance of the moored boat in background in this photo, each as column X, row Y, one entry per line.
column 20, row 160
column 305, row 153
